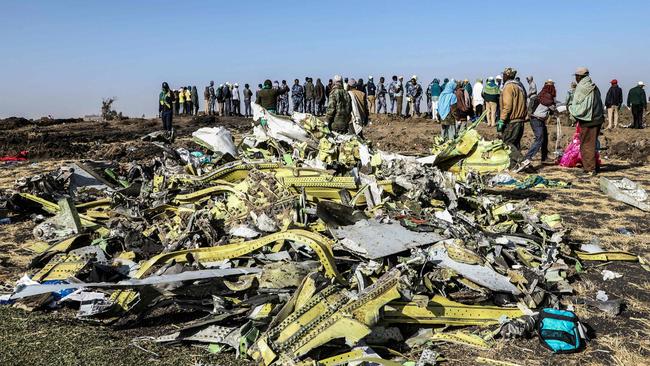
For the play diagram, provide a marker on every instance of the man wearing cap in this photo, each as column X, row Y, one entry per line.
column 359, row 104
column 512, row 117
column 638, row 103
column 339, row 107
column 371, row 91
column 587, row 110
column 613, row 102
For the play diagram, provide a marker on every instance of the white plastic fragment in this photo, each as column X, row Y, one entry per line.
column 217, row 139
column 610, row 275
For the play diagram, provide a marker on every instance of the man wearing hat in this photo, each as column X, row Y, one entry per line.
column 339, row 108
column 359, row 106
column 587, row 110
column 638, row 103
column 512, row 116
column 613, row 102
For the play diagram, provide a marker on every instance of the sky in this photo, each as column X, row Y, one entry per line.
column 62, row 57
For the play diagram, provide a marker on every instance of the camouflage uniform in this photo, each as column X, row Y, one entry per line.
column 381, row 97
column 297, row 95
column 339, row 110
column 283, row 101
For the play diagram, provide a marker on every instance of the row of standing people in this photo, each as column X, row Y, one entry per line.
column 517, row 105
column 347, row 105
column 226, row 100
column 185, row 101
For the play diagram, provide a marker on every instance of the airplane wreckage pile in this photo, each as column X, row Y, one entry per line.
column 300, row 246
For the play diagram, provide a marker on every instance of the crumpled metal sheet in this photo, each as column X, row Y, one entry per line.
column 482, row 275
column 373, row 240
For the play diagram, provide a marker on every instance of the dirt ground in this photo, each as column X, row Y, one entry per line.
column 40, row 338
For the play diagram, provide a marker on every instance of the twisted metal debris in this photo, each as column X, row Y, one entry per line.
column 298, row 244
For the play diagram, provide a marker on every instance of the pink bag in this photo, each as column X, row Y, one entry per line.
column 571, row 157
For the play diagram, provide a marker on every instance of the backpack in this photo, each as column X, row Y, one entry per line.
column 219, row 94
column 561, row 331
column 545, row 98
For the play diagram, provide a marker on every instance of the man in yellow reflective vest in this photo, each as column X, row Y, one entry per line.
column 165, row 106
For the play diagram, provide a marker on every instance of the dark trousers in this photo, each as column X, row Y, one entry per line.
column 588, row 138
column 187, row 108
column 512, row 137
column 541, row 139
column 236, row 105
column 637, row 114
column 167, row 119
column 479, row 110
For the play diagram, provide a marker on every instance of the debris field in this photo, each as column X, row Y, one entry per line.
column 302, row 246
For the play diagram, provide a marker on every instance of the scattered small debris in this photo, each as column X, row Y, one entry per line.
column 299, row 239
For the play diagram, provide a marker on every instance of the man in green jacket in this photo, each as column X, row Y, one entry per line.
column 587, row 109
column 268, row 97
column 637, row 102
column 339, row 108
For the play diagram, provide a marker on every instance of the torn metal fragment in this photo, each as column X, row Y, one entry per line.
column 440, row 310
column 372, row 239
column 439, row 254
column 457, row 337
column 318, row 243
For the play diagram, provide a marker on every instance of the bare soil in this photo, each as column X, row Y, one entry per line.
column 45, row 338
